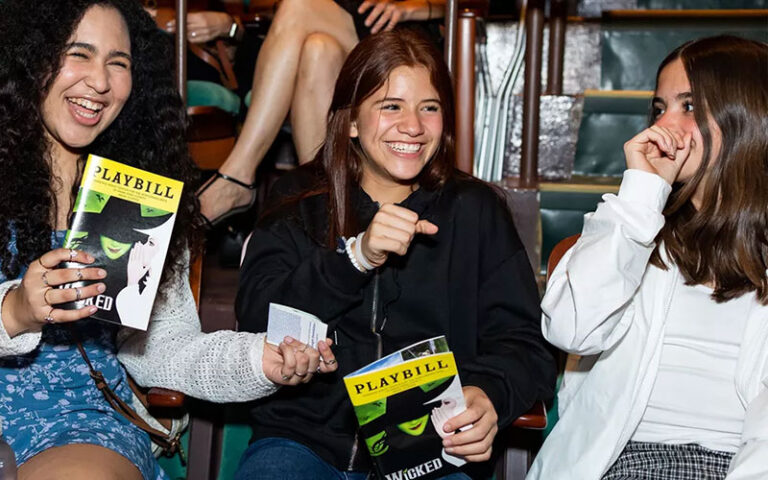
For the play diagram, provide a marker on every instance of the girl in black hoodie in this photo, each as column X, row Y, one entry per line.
column 386, row 242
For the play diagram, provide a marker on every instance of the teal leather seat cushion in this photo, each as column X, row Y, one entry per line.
column 234, row 442
column 607, row 123
column 633, row 48
column 562, row 215
column 209, row 94
column 172, row 466
column 701, row 4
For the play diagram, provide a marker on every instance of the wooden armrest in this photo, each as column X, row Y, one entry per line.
column 535, row 418
column 164, row 398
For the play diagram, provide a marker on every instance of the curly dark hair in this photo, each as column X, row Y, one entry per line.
column 149, row 133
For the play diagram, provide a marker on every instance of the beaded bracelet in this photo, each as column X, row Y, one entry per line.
column 351, row 255
column 359, row 253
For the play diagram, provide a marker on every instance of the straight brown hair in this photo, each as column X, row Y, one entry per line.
column 725, row 241
column 366, row 69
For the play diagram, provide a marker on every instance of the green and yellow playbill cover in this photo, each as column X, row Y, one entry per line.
column 402, row 402
column 124, row 217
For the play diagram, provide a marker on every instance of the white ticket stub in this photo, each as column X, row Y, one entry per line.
column 289, row 322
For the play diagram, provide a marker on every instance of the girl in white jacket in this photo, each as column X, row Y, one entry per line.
column 663, row 301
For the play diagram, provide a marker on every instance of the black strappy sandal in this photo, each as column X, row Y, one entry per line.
column 243, row 208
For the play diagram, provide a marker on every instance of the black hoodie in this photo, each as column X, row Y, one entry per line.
column 471, row 282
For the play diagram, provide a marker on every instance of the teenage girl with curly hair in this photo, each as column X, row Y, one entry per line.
column 94, row 76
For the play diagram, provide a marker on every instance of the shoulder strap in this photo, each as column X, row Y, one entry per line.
column 170, row 444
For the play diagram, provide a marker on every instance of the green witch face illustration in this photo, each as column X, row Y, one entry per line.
column 121, row 239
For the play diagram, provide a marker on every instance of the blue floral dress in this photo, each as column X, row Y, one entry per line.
column 48, row 399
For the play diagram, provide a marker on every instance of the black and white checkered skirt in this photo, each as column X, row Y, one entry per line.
column 658, row 461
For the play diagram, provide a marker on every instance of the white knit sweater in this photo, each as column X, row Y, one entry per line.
column 223, row 366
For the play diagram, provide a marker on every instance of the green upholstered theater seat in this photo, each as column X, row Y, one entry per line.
column 209, row 94
column 701, row 4
column 235, row 439
column 172, row 465
column 633, row 47
column 609, row 119
column 563, row 206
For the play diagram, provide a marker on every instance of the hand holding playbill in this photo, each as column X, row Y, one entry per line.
column 402, row 403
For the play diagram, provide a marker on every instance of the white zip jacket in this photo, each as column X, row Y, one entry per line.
column 608, row 305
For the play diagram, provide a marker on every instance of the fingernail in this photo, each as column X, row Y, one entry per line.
column 288, row 340
column 447, row 442
column 449, row 450
column 102, row 273
column 101, row 287
column 93, row 309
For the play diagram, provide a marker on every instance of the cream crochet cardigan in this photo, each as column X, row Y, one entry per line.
column 223, row 366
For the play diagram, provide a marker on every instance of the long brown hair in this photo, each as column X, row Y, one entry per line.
column 366, row 69
column 725, row 241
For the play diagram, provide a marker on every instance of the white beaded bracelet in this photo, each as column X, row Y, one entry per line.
column 351, row 255
column 359, row 253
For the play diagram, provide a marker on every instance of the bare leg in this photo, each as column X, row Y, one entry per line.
column 78, row 461
column 273, row 89
column 321, row 60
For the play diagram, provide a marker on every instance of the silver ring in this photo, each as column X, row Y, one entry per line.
column 330, row 362
column 79, row 274
column 44, row 276
column 77, row 294
column 49, row 319
column 72, row 254
column 286, row 378
column 301, row 374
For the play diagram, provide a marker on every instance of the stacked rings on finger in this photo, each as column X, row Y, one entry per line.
column 79, row 274
column 78, row 294
column 72, row 254
column 44, row 276
column 49, row 319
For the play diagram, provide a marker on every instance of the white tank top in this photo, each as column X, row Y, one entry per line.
column 694, row 398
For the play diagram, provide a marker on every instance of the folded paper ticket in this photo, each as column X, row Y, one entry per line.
column 290, row 322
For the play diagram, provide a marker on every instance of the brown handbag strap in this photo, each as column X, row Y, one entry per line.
column 219, row 61
column 169, row 443
column 217, row 58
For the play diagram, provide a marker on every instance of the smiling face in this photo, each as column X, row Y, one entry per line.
column 673, row 109
column 94, row 82
column 399, row 128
